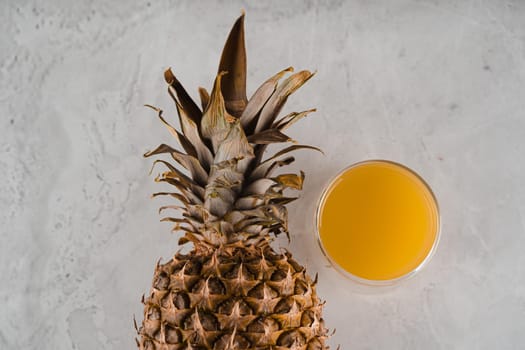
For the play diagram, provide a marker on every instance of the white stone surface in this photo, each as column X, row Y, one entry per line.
column 437, row 85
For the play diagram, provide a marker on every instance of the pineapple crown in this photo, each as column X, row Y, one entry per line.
column 228, row 194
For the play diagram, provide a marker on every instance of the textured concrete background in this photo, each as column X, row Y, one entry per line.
column 437, row 85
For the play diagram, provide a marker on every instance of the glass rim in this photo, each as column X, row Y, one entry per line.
column 366, row 281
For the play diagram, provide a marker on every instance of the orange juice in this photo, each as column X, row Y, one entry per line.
column 378, row 221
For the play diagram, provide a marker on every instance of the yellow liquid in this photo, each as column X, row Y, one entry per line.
column 378, row 221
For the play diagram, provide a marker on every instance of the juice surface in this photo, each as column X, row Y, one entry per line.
column 378, row 220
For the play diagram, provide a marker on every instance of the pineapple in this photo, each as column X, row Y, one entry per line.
column 232, row 290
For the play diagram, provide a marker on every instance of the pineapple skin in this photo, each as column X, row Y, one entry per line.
column 239, row 298
column 233, row 290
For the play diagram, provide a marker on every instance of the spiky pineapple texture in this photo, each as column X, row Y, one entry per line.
column 233, row 290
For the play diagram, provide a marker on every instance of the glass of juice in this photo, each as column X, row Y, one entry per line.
column 378, row 222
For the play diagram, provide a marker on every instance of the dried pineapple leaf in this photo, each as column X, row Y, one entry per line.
column 226, row 170
column 171, row 207
column 287, row 121
column 163, row 148
column 198, row 174
column 218, row 200
column 264, row 215
column 268, row 136
column 291, row 180
column 234, row 146
column 249, row 202
column 193, row 198
column 290, row 149
column 278, row 163
column 182, row 240
column 224, row 182
column 260, row 149
column 265, row 169
column 234, row 216
column 199, row 213
column 222, row 227
column 233, row 61
column 256, row 231
column 192, row 186
column 175, row 195
column 272, row 108
column 205, row 98
column 226, row 164
column 193, row 166
column 250, row 221
column 174, row 171
column 283, row 200
column 260, row 170
column 257, row 200
column 259, row 186
column 178, row 220
column 191, row 132
column 178, row 227
column 223, row 187
column 259, row 98
column 277, row 212
column 186, row 145
column 176, row 88
column 216, row 121
column 188, row 237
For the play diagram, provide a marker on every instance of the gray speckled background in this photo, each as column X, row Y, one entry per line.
column 437, row 85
